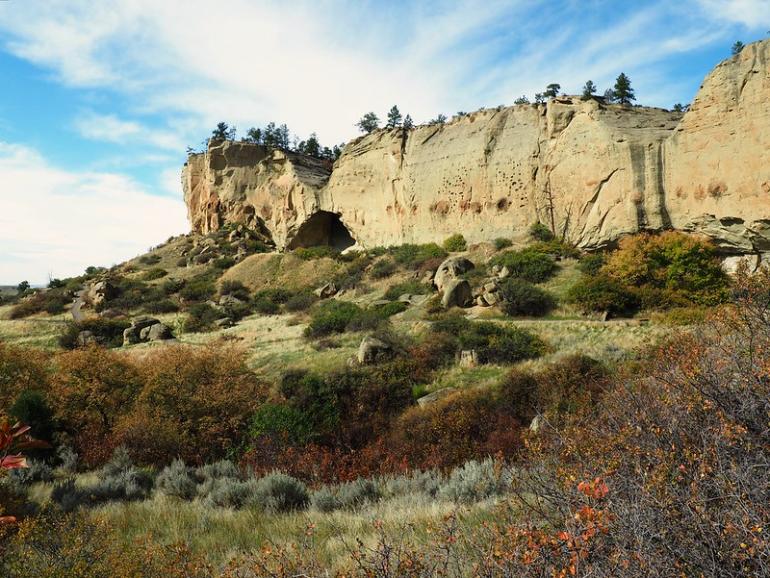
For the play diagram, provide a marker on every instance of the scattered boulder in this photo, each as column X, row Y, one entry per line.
column 468, row 358
column 145, row 329
column 450, row 269
column 326, row 290
column 457, row 292
column 372, row 350
column 159, row 332
column 536, row 424
column 224, row 322
column 435, row 396
column 504, row 272
column 100, row 292
column 86, row 338
column 229, row 301
column 730, row 264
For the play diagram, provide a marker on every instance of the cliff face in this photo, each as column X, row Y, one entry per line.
column 591, row 172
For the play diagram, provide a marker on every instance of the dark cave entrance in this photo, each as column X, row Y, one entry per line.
column 323, row 228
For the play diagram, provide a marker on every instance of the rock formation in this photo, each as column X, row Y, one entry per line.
column 592, row 172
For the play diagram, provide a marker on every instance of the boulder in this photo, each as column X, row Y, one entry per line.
column 503, row 273
column 326, row 290
column 159, row 332
column 224, row 322
column 372, row 350
column 468, row 358
column 435, row 396
column 229, row 301
column 145, row 321
column 86, row 338
column 450, row 269
column 730, row 264
column 457, row 292
column 100, row 292
column 131, row 336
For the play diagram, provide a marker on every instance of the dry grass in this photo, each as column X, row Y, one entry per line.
column 281, row 270
column 223, row 533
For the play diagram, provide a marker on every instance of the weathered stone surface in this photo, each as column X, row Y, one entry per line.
column 372, row 350
column 468, row 358
column 731, row 264
column 326, row 290
column 100, row 292
column 450, row 269
column 159, row 332
column 86, row 338
column 457, row 293
column 592, row 172
column 435, row 396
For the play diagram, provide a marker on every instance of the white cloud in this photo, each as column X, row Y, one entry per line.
column 753, row 14
column 57, row 222
column 110, row 128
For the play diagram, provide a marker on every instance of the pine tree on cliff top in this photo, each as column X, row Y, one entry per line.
column 623, row 92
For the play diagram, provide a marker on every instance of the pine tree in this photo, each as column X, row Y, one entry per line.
column 589, row 89
column 408, row 123
column 312, row 146
column 394, row 118
column 521, row 100
column 552, row 90
column 254, row 135
column 223, row 132
column 738, row 47
column 624, row 94
column 368, row 123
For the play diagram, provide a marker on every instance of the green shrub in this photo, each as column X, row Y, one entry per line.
column 172, row 286
column 31, row 408
column 412, row 287
column 301, row 301
column 540, row 232
column 149, row 259
column 591, row 264
column 601, row 293
column 265, row 306
column 162, row 306
column 523, row 298
column 332, row 317
column 235, row 289
column 283, row 421
column 502, row 243
column 455, row 243
column 227, row 492
column 199, row 288
column 494, row 343
column 181, row 262
column 317, row 252
column 325, row 500
column 388, row 310
column 528, row 264
column 108, row 332
column 201, row 317
column 414, row 256
column 224, row 262
column 154, row 273
column 383, row 268
column 673, row 263
column 278, row 492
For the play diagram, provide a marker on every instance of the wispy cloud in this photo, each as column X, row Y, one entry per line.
column 59, row 222
column 319, row 66
column 110, row 128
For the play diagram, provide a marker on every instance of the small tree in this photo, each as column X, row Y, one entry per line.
column 394, row 117
column 223, row 132
column 22, row 287
column 368, row 123
column 408, row 123
column 679, row 107
column 539, row 98
column 254, row 135
column 337, row 150
column 609, row 95
column 624, row 94
column 521, row 100
column 440, row 119
column 552, row 90
column 738, row 47
column 589, row 89
column 312, row 146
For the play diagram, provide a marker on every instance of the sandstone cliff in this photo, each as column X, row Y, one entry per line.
column 590, row 171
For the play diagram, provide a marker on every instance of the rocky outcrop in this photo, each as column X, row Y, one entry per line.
column 592, row 172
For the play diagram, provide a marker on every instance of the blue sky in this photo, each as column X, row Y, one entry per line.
column 100, row 99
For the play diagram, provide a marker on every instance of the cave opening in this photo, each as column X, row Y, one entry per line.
column 323, row 228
